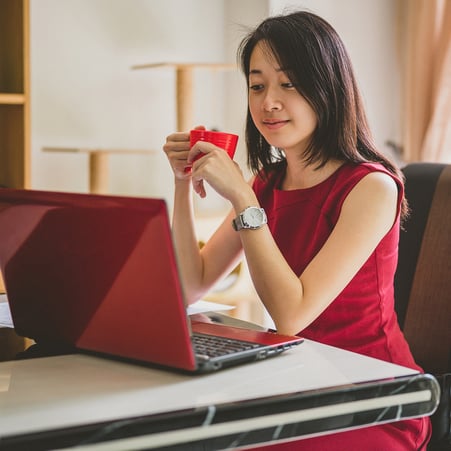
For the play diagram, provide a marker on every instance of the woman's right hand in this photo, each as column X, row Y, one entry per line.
column 177, row 147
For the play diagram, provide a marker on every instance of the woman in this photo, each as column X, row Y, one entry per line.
column 323, row 262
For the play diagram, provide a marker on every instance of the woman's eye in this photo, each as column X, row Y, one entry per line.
column 255, row 87
column 288, row 85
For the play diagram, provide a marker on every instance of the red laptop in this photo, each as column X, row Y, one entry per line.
column 99, row 273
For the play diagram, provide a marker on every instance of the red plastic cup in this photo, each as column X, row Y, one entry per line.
column 226, row 141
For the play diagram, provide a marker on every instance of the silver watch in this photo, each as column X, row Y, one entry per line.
column 250, row 218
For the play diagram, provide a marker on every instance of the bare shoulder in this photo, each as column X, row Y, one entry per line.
column 376, row 186
column 374, row 200
column 380, row 180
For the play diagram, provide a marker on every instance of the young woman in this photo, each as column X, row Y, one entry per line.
column 319, row 222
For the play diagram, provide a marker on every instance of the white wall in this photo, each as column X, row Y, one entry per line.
column 84, row 93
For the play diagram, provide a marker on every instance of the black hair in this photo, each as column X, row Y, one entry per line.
column 314, row 58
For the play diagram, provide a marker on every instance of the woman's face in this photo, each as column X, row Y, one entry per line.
column 279, row 112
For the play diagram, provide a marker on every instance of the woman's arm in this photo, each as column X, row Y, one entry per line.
column 199, row 269
column 295, row 301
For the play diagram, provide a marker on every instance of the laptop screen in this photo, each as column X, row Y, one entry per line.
column 95, row 272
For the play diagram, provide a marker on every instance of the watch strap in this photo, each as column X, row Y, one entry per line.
column 239, row 223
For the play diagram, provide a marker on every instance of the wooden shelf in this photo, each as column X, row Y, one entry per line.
column 14, row 94
column 12, row 99
column 14, row 120
column 217, row 66
column 98, row 163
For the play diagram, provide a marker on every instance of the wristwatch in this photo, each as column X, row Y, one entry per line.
column 250, row 218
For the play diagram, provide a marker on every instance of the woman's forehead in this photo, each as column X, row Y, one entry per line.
column 263, row 54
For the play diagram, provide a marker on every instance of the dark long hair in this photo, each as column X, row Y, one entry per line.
column 316, row 61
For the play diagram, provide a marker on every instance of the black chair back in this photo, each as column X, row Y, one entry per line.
column 423, row 282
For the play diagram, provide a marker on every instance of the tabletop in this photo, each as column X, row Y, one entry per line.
column 108, row 404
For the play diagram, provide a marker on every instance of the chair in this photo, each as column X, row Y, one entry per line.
column 423, row 282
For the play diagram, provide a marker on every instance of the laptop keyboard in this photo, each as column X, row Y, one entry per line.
column 213, row 346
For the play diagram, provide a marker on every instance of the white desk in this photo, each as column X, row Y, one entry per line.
column 310, row 389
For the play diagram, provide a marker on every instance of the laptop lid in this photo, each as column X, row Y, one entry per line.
column 94, row 272
column 99, row 273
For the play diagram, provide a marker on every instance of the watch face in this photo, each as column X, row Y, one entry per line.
column 254, row 217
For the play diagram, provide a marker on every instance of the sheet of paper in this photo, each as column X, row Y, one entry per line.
column 202, row 306
column 5, row 314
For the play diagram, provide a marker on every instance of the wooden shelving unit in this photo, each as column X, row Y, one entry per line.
column 14, row 94
column 14, row 120
column 184, row 86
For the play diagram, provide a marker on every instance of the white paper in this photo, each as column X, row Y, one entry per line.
column 202, row 306
column 5, row 314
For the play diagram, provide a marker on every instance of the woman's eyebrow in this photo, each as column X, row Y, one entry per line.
column 258, row 71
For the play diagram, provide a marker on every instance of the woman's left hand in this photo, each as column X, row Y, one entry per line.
column 217, row 169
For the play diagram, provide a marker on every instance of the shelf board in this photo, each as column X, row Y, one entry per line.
column 185, row 66
column 12, row 99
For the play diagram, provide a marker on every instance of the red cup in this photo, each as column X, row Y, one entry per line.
column 226, row 141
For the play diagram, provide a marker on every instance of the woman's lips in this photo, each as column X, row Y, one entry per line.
column 274, row 125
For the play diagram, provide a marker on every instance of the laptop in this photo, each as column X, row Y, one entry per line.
column 98, row 273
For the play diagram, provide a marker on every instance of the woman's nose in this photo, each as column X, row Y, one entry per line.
column 271, row 102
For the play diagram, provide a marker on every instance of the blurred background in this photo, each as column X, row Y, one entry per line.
column 86, row 94
column 103, row 82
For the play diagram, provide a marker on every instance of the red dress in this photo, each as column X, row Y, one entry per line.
column 362, row 318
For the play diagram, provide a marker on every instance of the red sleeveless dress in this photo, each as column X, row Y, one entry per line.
column 362, row 318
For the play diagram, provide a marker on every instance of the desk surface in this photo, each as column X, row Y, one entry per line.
column 321, row 387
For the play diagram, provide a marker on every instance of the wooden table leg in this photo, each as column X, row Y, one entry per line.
column 98, row 172
column 184, row 99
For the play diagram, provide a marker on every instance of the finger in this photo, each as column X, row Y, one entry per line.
column 194, row 154
column 176, row 146
column 193, row 157
column 202, row 193
column 178, row 136
column 199, row 150
column 198, row 185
